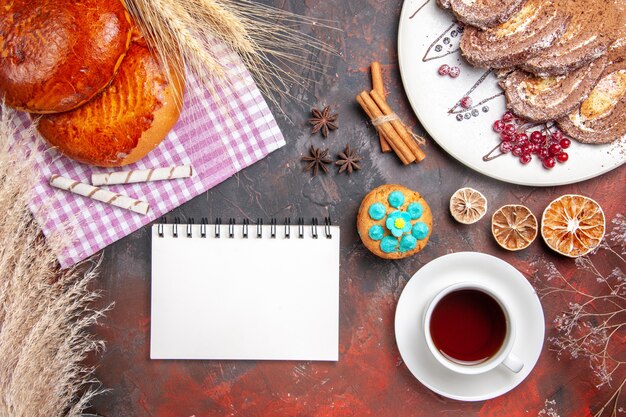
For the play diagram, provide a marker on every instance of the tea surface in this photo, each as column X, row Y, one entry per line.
column 468, row 326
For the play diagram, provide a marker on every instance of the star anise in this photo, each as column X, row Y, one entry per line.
column 318, row 159
column 323, row 121
column 348, row 161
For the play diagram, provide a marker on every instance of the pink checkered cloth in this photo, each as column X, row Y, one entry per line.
column 217, row 143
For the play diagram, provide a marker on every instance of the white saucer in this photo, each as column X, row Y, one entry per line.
column 515, row 291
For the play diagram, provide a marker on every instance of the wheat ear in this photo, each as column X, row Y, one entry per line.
column 45, row 313
column 265, row 39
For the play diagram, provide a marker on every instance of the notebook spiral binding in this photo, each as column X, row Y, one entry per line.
column 204, row 222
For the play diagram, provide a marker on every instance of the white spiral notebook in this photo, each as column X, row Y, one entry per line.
column 247, row 291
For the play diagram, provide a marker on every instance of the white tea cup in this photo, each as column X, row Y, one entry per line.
column 502, row 356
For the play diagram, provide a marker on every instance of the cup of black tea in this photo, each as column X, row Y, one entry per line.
column 469, row 329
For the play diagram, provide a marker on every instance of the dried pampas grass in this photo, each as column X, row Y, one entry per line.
column 183, row 34
column 45, row 313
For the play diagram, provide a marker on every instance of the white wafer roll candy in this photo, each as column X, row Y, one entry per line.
column 142, row 175
column 96, row 193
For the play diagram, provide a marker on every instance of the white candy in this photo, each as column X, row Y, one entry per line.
column 142, row 175
column 96, row 193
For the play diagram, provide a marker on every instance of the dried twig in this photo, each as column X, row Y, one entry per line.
column 594, row 324
column 614, row 399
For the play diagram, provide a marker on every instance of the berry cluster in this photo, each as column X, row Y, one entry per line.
column 451, row 72
column 518, row 138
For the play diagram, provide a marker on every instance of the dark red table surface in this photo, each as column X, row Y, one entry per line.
column 370, row 378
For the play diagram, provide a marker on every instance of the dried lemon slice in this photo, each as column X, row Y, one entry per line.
column 467, row 205
column 573, row 225
column 514, row 227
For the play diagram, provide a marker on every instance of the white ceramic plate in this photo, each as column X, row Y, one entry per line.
column 515, row 291
column 428, row 37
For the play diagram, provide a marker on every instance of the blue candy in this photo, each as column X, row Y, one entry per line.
column 415, row 210
column 388, row 244
column 420, row 230
column 396, row 199
column 377, row 211
column 407, row 243
column 376, row 232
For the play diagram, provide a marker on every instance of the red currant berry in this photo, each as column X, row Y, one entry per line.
column 521, row 137
column 543, row 153
column 505, row 147
column 444, row 69
column 565, row 143
column 536, row 137
column 562, row 157
column 526, row 158
column 535, row 148
column 505, row 137
column 557, row 135
column 454, row 72
column 510, row 129
column 527, row 147
column 507, row 117
column 549, row 163
column 498, row 126
column 466, row 102
column 554, row 149
column 517, row 151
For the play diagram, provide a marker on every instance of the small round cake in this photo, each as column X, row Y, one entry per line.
column 56, row 55
column 127, row 120
column 394, row 222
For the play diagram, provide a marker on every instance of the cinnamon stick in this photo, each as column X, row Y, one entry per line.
column 377, row 77
column 395, row 141
column 399, row 127
column 379, row 87
column 372, row 117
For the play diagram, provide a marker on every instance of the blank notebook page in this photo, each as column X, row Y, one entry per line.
column 244, row 298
